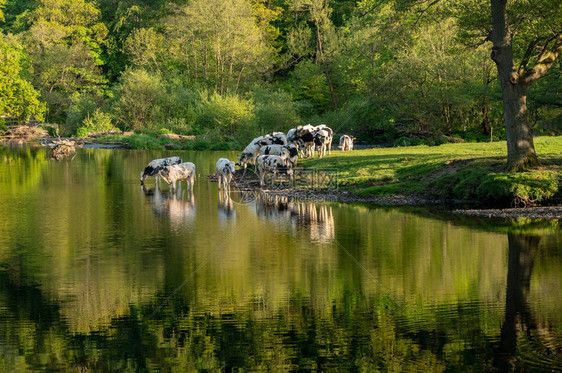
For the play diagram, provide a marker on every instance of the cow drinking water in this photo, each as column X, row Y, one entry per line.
column 155, row 166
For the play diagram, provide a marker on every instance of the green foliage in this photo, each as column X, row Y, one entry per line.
column 226, row 145
column 274, row 110
column 82, row 106
column 98, row 122
column 224, row 116
column 65, row 39
column 18, row 99
column 139, row 99
column 82, row 132
column 524, row 186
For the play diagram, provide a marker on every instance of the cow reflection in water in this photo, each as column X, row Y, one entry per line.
column 225, row 206
column 177, row 206
column 315, row 217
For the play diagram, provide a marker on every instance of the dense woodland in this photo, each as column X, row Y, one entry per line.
column 395, row 71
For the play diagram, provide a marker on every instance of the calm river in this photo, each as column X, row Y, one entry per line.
column 97, row 274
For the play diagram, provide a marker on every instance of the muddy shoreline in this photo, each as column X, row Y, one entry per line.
column 251, row 183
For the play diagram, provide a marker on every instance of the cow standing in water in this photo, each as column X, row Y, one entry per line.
column 178, row 173
column 155, row 166
column 225, row 171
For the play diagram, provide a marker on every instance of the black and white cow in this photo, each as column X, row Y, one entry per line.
column 274, row 164
column 279, row 138
column 250, row 153
column 293, row 154
column 275, row 149
column 346, row 142
column 305, row 138
column 321, row 138
column 330, row 137
column 225, row 171
column 288, row 152
column 155, row 166
column 178, row 173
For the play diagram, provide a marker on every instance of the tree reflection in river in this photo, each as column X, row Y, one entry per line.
column 519, row 317
column 143, row 280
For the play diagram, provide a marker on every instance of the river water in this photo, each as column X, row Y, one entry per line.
column 99, row 274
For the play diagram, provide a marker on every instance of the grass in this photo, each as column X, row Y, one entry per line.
column 468, row 171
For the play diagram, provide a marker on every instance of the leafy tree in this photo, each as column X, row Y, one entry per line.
column 225, row 116
column 221, row 45
column 18, row 99
column 527, row 39
column 65, row 41
column 138, row 100
column 325, row 38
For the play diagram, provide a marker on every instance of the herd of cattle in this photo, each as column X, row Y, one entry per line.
column 275, row 153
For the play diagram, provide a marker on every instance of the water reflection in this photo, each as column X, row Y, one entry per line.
column 177, row 206
column 312, row 216
column 92, row 278
column 225, row 206
column 538, row 340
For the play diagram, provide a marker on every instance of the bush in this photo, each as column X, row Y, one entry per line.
column 181, row 126
column 82, row 132
column 201, row 145
column 274, row 110
column 226, row 145
column 82, row 106
column 224, row 116
column 98, row 122
column 139, row 100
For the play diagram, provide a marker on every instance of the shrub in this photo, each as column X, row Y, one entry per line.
column 224, row 115
column 274, row 110
column 181, row 126
column 98, row 122
column 201, row 145
column 226, row 145
column 82, row 132
column 138, row 100
column 82, row 106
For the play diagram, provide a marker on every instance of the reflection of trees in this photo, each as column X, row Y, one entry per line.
column 519, row 317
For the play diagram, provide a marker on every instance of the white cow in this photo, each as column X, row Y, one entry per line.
column 155, row 166
column 225, row 171
column 178, row 173
column 346, row 143
column 274, row 164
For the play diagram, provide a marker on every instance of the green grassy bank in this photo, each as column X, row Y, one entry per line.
column 473, row 172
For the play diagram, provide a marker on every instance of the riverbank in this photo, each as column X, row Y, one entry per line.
column 470, row 174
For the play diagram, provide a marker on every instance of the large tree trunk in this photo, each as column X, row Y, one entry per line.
column 520, row 148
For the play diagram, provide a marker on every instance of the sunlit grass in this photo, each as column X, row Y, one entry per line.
column 470, row 171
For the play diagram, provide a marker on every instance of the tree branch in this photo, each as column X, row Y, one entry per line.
column 527, row 56
column 545, row 61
